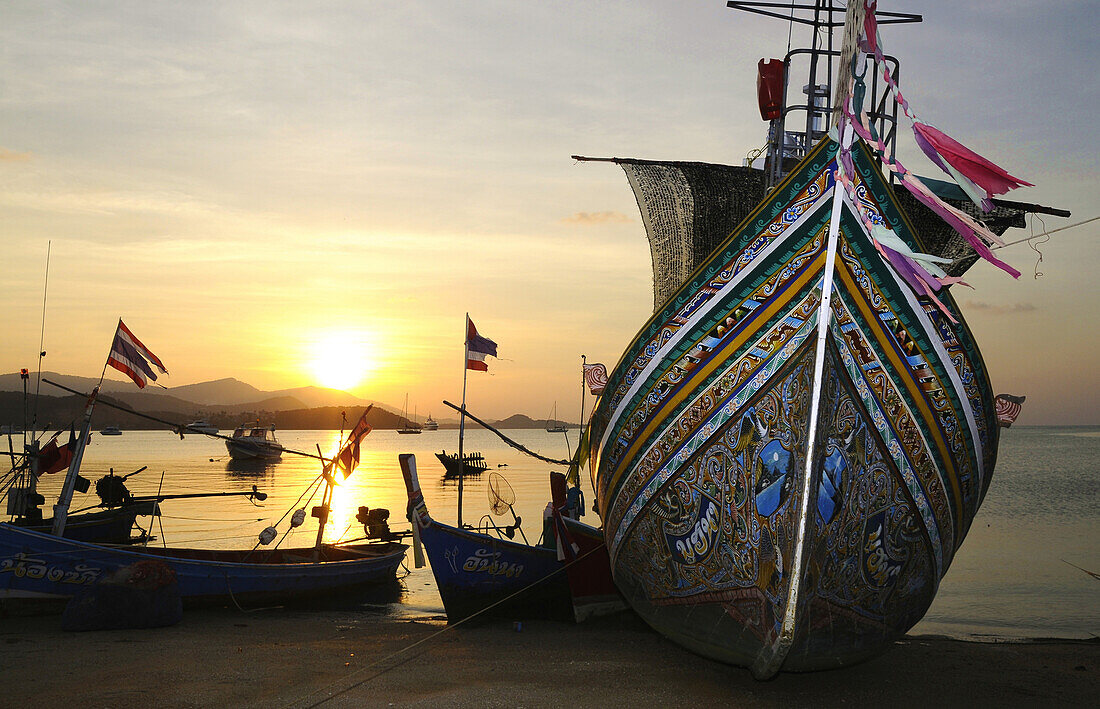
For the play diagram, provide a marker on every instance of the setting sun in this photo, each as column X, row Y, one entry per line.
column 341, row 360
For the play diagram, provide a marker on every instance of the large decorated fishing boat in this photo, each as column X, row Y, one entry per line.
column 791, row 450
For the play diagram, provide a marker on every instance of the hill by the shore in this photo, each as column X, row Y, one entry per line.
column 226, row 403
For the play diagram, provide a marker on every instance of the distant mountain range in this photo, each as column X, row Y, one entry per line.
column 223, row 402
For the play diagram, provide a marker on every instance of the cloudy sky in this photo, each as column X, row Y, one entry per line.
column 256, row 186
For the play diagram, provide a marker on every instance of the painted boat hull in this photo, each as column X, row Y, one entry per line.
column 37, row 565
column 488, row 576
column 479, row 573
column 722, row 534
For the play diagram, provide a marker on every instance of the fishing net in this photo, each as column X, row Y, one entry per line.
column 689, row 208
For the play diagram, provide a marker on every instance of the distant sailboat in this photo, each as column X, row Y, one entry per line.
column 408, row 426
column 552, row 424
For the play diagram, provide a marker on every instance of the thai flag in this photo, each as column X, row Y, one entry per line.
column 348, row 457
column 132, row 358
column 477, row 348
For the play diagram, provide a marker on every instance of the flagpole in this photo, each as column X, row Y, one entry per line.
column 462, row 416
column 65, row 499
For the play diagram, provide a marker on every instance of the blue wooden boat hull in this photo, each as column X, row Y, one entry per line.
column 38, row 565
column 477, row 572
column 483, row 574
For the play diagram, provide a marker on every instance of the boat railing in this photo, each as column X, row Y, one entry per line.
column 812, row 113
column 486, row 525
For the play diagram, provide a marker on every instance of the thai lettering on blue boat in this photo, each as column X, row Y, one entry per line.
column 488, row 562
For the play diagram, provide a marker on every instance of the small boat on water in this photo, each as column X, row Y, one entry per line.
column 407, row 427
column 487, row 571
column 474, row 464
column 431, row 424
column 111, row 431
column 254, row 442
column 552, row 423
column 202, row 426
column 107, row 526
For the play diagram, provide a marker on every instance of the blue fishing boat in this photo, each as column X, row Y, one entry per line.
column 39, row 565
column 108, row 526
column 486, row 573
column 48, row 565
column 790, row 452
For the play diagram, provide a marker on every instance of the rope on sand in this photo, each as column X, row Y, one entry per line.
column 433, row 636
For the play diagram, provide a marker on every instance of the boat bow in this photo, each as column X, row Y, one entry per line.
column 802, row 471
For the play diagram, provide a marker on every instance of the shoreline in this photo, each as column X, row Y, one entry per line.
column 364, row 657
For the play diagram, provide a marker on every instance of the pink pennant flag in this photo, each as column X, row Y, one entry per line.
column 942, row 148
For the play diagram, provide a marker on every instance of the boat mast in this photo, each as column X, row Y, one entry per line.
column 821, row 60
column 584, row 361
column 322, row 512
column 61, row 509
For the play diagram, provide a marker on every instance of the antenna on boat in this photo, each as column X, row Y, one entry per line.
column 41, row 346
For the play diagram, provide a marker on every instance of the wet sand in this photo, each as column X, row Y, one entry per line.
column 339, row 658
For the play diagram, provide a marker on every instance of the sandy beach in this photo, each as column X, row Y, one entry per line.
column 343, row 658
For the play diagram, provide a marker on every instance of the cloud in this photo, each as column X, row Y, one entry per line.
column 1000, row 308
column 590, row 218
column 12, row 156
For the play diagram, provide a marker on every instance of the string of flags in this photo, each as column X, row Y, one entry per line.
column 979, row 178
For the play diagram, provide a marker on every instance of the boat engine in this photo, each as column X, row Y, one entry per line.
column 375, row 523
column 26, row 503
column 112, row 490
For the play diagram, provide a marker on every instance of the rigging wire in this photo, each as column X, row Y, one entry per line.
column 1045, row 238
column 1028, row 239
column 790, row 28
column 1045, row 233
column 41, row 341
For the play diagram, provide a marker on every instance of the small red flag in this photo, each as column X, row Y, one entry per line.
column 54, row 458
column 348, row 457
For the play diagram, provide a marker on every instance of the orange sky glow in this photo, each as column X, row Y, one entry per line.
column 318, row 194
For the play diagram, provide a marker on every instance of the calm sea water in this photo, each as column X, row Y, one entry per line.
column 1010, row 579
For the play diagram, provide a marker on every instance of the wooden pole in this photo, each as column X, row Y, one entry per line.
column 462, row 415
column 64, row 500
